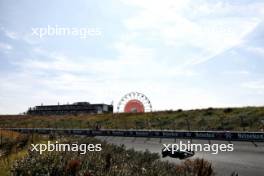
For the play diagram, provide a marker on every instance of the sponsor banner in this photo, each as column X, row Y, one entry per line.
column 142, row 133
column 97, row 132
column 205, row 135
column 78, row 132
column 170, row 134
column 118, row 133
column 250, row 136
column 217, row 135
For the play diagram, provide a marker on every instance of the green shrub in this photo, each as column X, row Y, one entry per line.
column 112, row 160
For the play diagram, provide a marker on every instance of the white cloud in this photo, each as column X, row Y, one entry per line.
column 177, row 23
column 256, row 85
column 132, row 62
column 155, row 53
column 5, row 46
column 10, row 34
column 93, row 79
column 256, row 50
column 237, row 72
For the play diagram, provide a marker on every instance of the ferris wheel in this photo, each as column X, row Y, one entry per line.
column 134, row 102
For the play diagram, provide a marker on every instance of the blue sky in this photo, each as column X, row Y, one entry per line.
column 181, row 54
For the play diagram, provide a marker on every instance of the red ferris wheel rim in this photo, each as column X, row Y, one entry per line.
column 134, row 102
column 134, row 106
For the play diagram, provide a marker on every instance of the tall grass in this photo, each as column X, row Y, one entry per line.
column 240, row 119
column 112, row 160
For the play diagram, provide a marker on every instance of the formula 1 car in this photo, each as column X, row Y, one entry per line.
column 180, row 154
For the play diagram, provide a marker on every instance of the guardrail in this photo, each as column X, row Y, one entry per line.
column 204, row 135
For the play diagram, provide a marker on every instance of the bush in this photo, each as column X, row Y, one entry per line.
column 112, row 160
column 228, row 110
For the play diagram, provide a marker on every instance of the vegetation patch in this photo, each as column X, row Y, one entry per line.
column 112, row 160
column 231, row 119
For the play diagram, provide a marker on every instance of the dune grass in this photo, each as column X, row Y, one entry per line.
column 111, row 160
column 238, row 119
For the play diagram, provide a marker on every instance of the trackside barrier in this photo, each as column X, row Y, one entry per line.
column 206, row 135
